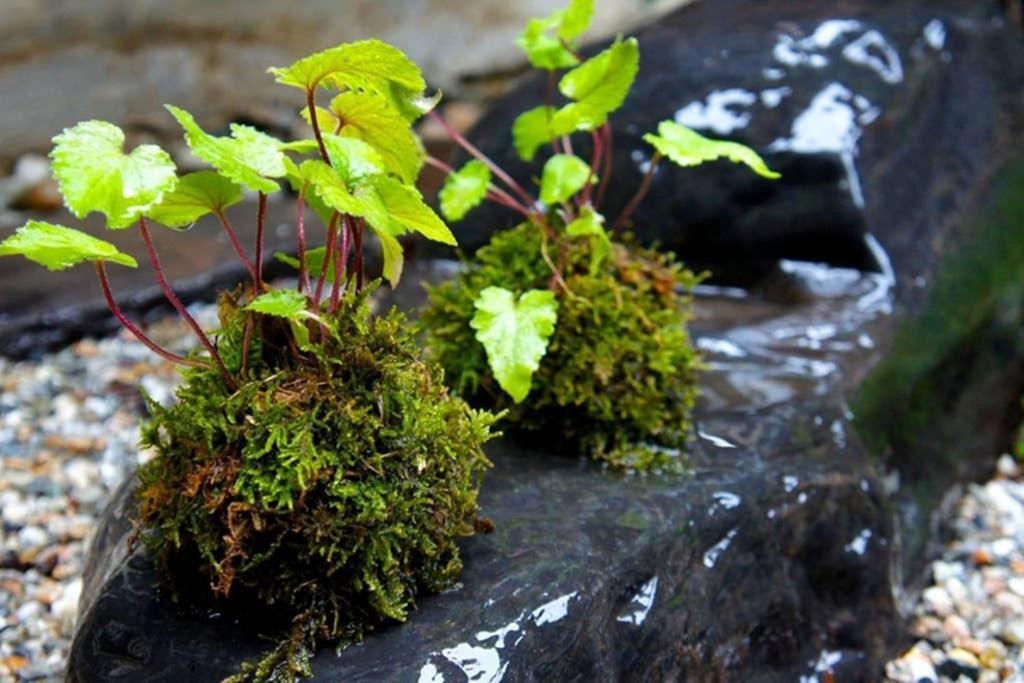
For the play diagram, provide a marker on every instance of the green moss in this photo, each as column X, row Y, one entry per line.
column 619, row 378
column 329, row 488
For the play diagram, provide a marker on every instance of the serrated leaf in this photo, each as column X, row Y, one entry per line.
column 373, row 120
column 576, row 19
column 564, row 175
column 329, row 187
column 591, row 223
column 542, row 39
column 371, row 65
column 394, row 257
column 599, row 86
column 57, row 247
column 514, row 334
column 532, row 130
column 686, row 147
column 464, row 189
column 300, row 146
column 352, row 159
column 249, row 157
column 195, row 195
column 94, row 173
column 405, row 206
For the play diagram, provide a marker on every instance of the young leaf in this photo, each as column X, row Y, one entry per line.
column 688, row 148
column 195, row 195
column 352, row 159
column 564, row 175
column 514, row 334
column 464, row 189
column 370, row 65
column 532, row 130
column 371, row 119
column 591, row 223
column 549, row 41
column 290, row 305
column 328, row 186
column 394, row 257
column 248, row 157
column 58, row 247
column 599, row 86
column 94, row 173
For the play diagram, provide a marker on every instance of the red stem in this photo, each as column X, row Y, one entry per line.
column 358, row 246
column 339, row 265
column 606, row 171
column 332, row 230
column 495, row 194
column 180, row 308
column 301, row 230
column 261, row 220
column 233, row 238
column 495, row 169
column 641, row 192
column 149, row 343
column 311, row 105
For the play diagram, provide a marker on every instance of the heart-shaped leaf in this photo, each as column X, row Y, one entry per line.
column 564, row 175
column 464, row 189
column 195, row 195
column 58, row 247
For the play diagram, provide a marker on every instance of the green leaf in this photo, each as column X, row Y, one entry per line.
column 405, row 206
column 370, row 65
column 591, row 223
column 514, row 334
column 195, row 195
column 542, row 39
column 95, row 174
column 353, row 160
column 290, row 305
column 58, row 247
column 248, row 157
column 689, row 148
column 464, row 189
column 599, row 86
column 394, row 257
column 564, row 175
column 532, row 130
column 373, row 120
column 329, row 187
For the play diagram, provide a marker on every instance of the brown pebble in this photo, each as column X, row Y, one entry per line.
column 12, row 587
column 982, row 558
column 1017, row 566
column 79, row 445
column 13, row 664
column 43, row 196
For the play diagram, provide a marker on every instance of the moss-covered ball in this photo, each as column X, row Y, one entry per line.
column 331, row 486
column 619, row 378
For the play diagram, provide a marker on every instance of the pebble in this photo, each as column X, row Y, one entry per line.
column 970, row 622
column 68, row 437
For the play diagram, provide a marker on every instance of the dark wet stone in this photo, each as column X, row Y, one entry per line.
column 774, row 554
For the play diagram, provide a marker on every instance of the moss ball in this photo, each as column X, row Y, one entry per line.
column 619, row 379
column 331, row 485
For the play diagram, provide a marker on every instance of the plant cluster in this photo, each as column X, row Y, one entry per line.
column 582, row 330
column 312, row 463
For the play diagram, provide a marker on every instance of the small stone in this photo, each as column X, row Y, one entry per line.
column 943, row 571
column 981, row 558
column 938, row 601
column 1013, row 632
column 992, row 655
column 1003, row 547
column 1016, row 584
column 1008, row 466
column 955, row 628
column 32, row 537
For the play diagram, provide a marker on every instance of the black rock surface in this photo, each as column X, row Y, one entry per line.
column 898, row 357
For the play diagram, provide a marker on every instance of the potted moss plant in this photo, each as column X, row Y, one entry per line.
column 563, row 320
column 313, row 464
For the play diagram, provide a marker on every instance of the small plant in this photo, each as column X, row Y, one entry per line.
column 563, row 320
column 313, row 465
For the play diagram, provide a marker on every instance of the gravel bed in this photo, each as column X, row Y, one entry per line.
column 970, row 621
column 68, row 437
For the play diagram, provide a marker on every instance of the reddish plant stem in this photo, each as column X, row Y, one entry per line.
column 261, row 222
column 250, row 323
column 138, row 334
column 332, row 232
column 606, row 170
column 301, row 230
column 472, row 150
column 641, row 192
column 358, row 246
column 340, row 263
column 233, row 238
column 567, row 144
column 180, row 308
column 311, row 105
column 595, row 160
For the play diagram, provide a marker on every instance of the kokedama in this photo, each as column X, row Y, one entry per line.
column 561, row 320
